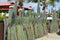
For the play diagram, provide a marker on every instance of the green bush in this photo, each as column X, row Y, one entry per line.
column 2, row 17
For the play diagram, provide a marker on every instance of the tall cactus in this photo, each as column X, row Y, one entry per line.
column 10, row 21
column 15, row 10
column 11, row 16
column 54, row 26
column 38, row 7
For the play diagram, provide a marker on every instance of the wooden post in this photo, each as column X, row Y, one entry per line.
column 1, row 30
column 5, row 30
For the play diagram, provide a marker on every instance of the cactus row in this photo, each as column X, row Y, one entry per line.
column 30, row 27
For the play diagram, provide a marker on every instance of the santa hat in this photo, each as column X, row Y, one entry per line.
column 46, row 12
column 11, row 5
column 30, row 7
column 19, row 9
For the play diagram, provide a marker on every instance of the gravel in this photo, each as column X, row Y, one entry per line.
column 50, row 36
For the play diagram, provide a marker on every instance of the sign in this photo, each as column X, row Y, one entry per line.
column 49, row 18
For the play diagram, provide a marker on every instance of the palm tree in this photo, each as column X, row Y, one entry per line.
column 44, row 4
column 21, row 0
column 35, row 0
column 52, row 2
column 44, row 7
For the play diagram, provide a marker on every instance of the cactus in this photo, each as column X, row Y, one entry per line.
column 29, row 28
column 54, row 26
column 38, row 8
column 21, row 32
column 12, row 31
column 38, row 30
column 9, row 22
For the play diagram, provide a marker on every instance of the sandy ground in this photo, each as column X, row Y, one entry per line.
column 50, row 36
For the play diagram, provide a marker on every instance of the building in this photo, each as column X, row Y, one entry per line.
column 5, row 6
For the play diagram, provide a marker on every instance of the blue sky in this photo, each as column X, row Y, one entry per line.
column 34, row 5
column 3, row 0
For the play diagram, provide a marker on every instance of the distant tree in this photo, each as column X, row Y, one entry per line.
column 44, row 4
column 58, row 0
column 20, row 4
column 30, row 0
column 35, row 0
column 9, row 0
column 52, row 2
column 21, row 0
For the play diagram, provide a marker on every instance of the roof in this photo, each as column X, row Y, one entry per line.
column 4, row 3
column 11, row 4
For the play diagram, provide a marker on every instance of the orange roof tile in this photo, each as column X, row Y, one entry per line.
column 4, row 3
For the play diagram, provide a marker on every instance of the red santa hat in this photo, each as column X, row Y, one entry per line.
column 46, row 12
column 30, row 7
column 19, row 9
column 11, row 5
